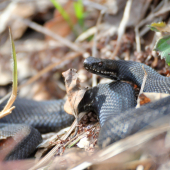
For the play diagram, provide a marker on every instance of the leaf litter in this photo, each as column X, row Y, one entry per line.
column 106, row 42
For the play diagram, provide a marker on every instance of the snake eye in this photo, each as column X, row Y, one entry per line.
column 100, row 64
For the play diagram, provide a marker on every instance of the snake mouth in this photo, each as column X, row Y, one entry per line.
column 101, row 67
column 101, row 72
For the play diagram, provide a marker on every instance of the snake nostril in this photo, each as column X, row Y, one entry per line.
column 86, row 63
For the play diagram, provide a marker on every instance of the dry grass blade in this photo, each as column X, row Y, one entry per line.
column 94, row 77
column 122, row 27
column 8, row 109
column 137, row 37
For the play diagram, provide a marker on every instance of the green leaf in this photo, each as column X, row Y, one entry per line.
column 15, row 82
column 78, row 6
column 79, row 11
column 8, row 109
column 62, row 12
column 163, row 47
column 153, row 28
column 159, row 27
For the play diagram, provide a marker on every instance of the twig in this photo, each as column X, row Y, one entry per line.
column 144, row 21
column 91, row 31
column 94, row 5
column 142, row 87
column 150, row 17
column 137, row 37
column 52, row 152
column 94, row 51
column 81, row 135
column 46, row 31
column 122, row 27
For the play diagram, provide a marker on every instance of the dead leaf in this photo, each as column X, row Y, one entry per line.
column 74, row 91
column 155, row 96
column 143, row 99
column 147, row 97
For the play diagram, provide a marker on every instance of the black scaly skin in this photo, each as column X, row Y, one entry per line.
column 26, row 138
column 46, row 116
column 131, row 121
column 108, row 100
column 117, row 126
column 130, row 71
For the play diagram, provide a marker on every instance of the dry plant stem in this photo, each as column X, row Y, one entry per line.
column 8, row 109
column 52, row 152
column 165, row 8
column 94, row 5
column 42, row 72
column 142, row 87
column 91, row 31
column 55, row 36
column 94, row 51
column 149, row 18
column 137, row 37
column 122, row 27
column 7, row 112
column 121, row 146
column 78, row 135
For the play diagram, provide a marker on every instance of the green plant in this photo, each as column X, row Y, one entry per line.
column 163, row 44
column 79, row 11
column 8, row 107
column 62, row 12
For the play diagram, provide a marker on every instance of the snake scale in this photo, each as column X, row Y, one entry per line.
column 113, row 103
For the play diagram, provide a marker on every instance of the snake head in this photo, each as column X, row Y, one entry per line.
column 102, row 67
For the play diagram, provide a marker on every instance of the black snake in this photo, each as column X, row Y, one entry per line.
column 110, row 101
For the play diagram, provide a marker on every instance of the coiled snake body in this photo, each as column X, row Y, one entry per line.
column 132, row 120
column 112, row 102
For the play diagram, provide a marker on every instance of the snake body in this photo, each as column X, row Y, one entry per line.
column 129, row 71
column 108, row 100
column 130, row 121
column 28, row 119
column 113, row 102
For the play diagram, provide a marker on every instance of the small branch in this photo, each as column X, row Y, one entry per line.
column 94, row 51
column 137, row 37
column 122, row 27
column 46, row 31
